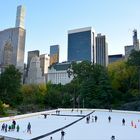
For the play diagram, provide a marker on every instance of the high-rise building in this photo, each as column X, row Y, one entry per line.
column 12, row 47
column 44, row 63
column 31, row 54
column 34, row 72
column 81, row 45
column 135, row 40
column 101, row 50
column 114, row 58
column 54, row 54
column 128, row 49
column 20, row 16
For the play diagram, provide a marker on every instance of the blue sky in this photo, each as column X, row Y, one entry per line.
column 47, row 21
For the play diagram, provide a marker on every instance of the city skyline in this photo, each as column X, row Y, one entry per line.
column 47, row 22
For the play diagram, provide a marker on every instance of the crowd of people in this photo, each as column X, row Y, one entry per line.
column 12, row 127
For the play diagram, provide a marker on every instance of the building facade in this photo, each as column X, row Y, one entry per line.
column 44, row 63
column 31, row 54
column 20, row 16
column 81, row 45
column 12, row 45
column 115, row 58
column 35, row 72
column 135, row 40
column 58, row 73
column 54, row 54
column 101, row 50
column 128, row 49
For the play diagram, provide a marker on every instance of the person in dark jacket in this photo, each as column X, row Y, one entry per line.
column 29, row 128
column 62, row 135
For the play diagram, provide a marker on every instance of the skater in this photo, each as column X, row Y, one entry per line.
column 3, row 127
column 112, row 137
column 29, row 128
column 18, row 128
column 6, row 127
column 87, row 119
column 14, row 123
column 92, row 118
column 80, row 111
column 9, row 128
column 12, row 127
column 109, row 119
column 45, row 116
column 123, row 121
column 96, row 118
column 51, row 138
column 62, row 135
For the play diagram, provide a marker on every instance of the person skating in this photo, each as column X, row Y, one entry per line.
column 96, row 118
column 109, row 119
column 9, row 128
column 112, row 137
column 6, row 127
column 92, row 118
column 3, row 127
column 62, row 135
column 87, row 119
column 14, row 123
column 29, row 128
column 45, row 116
column 18, row 128
column 123, row 121
column 12, row 127
column 51, row 138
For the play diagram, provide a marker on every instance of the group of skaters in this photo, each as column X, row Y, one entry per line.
column 62, row 135
column 94, row 119
column 123, row 120
column 58, row 112
column 5, row 127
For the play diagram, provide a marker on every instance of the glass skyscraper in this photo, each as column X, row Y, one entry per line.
column 81, row 45
column 54, row 54
column 101, row 50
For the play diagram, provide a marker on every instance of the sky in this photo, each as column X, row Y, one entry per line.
column 47, row 21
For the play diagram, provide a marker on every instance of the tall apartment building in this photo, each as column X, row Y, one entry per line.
column 128, row 49
column 20, row 16
column 44, row 63
column 101, row 50
column 81, row 45
column 12, row 43
column 31, row 54
column 115, row 58
column 135, row 40
column 34, row 72
column 54, row 54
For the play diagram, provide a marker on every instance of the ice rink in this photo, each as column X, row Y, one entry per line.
column 75, row 126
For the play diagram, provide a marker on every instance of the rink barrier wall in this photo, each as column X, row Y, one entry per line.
column 102, row 110
column 5, row 119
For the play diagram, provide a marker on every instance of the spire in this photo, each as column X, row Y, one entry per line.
column 20, row 16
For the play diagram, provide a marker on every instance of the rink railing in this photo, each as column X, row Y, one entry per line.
column 62, row 109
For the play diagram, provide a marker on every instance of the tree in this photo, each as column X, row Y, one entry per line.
column 10, row 84
column 124, row 82
column 134, row 60
column 94, row 85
